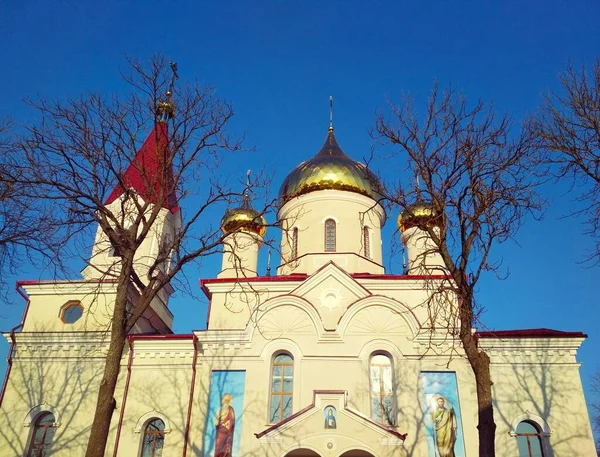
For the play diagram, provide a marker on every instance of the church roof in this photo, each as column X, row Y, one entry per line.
column 530, row 333
column 149, row 174
column 330, row 168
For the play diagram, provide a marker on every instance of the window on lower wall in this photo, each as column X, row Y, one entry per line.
column 383, row 408
column 282, row 380
column 154, row 438
column 529, row 440
column 43, row 433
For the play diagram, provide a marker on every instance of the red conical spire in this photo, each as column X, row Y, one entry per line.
column 149, row 174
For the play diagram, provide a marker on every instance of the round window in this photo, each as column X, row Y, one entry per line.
column 71, row 312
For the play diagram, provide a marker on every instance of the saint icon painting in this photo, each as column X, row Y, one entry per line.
column 225, row 410
column 442, row 414
column 330, row 417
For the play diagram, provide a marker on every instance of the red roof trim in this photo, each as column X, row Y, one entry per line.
column 402, row 436
column 397, row 277
column 530, row 333
column 182, row 336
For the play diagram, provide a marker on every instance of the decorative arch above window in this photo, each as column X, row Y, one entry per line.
column 531, row 432
column 282, row 385
column 383, row 405
column 330, row 235
column 42, row 435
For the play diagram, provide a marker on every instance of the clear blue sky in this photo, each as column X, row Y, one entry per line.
column 279, row 61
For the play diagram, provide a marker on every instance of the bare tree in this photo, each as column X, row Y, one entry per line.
column 86, row 149
column 474, row 174
column 27, row 231
column 567, row 127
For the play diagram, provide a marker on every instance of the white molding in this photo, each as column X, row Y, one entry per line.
column 144, row 419
column 528, row 416
column 35, row 412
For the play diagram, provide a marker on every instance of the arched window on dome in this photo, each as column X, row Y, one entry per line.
column 383, row 408
column 295, row 243
column 42, row 435
column 330, row 235
column 366, row 242
column 153, row 440
column 529, row 440
column 282, row 380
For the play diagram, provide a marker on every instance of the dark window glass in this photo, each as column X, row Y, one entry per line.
column 281, row 388
column 529, row 440
column 382, row 390
column 295, row 243
column 154, row 438
column 72, row 313
column 43, row 433
column 367, row 242
column 329, row 235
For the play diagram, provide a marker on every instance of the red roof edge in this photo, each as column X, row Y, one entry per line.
column 530, row 333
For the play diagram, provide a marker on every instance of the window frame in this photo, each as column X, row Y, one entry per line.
column 281, row 393
column 366, row 242
column 294, row 243
column 68, row 305
column 528, row 436
column 330, row 232
column 35, row 427
column 381, row 394
column 144, row 432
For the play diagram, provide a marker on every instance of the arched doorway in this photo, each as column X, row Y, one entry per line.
column 356, row 453
column 302, row 453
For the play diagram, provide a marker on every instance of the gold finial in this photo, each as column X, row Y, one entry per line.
column 166, row 108
column 331, row 112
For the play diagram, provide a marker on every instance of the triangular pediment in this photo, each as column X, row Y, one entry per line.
column 329, row 414
column 331, row 290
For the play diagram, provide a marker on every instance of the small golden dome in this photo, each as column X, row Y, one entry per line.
column 331, row 168
column 165, row 110
column 418, row 214
column 244, row 219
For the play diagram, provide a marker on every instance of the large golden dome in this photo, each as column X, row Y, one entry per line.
column 244, row 219
column 331, row 168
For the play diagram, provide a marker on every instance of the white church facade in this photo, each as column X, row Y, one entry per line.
column 330, row 356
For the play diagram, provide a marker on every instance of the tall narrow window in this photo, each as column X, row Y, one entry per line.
column 282, row 377
column 366, row 242
column 529, row 440
column 382, row 390
column 43, row 432
column 329, row 235
column 295, row 243
column 154, row 438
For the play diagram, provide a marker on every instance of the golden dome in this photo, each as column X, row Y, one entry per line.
column 331, row 168
column 244, row 219
column 418, row 214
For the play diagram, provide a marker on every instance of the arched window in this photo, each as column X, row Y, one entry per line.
column 154, row 438
column 383, row 409
column 366, row 242
column 329, row 235
column 295, row 243
column 282, row 377
column 41, row 438
column 529, row 440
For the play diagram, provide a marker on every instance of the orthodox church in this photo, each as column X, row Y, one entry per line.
column 329, row 356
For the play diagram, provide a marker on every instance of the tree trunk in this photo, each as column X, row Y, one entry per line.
column 480, row 363
column 105, row 405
